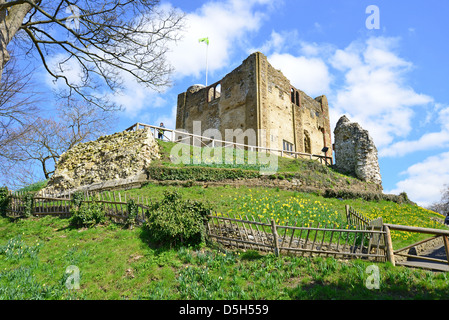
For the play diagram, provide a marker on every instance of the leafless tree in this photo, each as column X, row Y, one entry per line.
column 18, row 108
column 99, row 40
column 88, row 47
column 46, row 139
column 18, row 102
column 443, row 205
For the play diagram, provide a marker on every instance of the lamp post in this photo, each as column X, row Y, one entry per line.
column 324, row 150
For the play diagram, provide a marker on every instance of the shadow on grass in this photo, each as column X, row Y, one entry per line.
column 348, row 290
column 251, row 255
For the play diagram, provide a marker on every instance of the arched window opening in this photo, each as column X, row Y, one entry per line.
column 210, row 94
column 214, row 92
column 217, row 91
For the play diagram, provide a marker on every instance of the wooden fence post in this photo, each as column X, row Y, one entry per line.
column 389, row 246
column 446, row 247
column 376, row 225
column 275, row 238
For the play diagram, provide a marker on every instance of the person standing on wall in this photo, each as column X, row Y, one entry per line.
column 160, row 132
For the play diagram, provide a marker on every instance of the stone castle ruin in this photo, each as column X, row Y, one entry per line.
column 355, row 152
column 115, row 160
column 258, row 98
column 254, row 97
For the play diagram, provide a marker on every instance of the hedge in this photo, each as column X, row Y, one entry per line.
column 199, row 173
column 367, row 196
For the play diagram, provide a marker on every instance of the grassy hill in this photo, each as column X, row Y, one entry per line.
column 287, row 206
column 299, row 174
column 119, row 263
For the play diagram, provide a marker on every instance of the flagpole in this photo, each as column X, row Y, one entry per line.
column 207, row 54
column 207, row 62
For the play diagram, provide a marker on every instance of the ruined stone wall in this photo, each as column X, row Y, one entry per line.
column 230, row 103
column 276, row 107
column 257, row 96
column 355, row 151
column 120, row 157
column 292, row 113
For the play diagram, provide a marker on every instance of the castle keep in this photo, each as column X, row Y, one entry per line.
column 257, row 96
column 254, row 97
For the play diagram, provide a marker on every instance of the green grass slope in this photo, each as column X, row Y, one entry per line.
column 296, row 174
column 119, row 263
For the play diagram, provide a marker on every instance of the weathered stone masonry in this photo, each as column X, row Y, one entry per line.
column 115, row 159
column 355, row 151
column 257, row 96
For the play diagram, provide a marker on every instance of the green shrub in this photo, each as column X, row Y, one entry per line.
column 176, row 221
column 34, row 187
column 132, row 213
column 4, row 200
column 28, row 204
column 77, row 200
column 87, row 215
column 404, row 197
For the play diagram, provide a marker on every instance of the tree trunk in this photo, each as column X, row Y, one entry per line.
column 11, row 20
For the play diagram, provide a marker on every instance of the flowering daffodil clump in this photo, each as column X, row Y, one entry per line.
column 288, row 211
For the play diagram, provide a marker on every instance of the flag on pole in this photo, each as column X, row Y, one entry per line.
column 204, row 40
column 207, row 49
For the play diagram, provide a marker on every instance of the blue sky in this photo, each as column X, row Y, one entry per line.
column 392, row 80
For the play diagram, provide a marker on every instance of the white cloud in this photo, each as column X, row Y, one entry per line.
column 303, row 63
column 134, row 97
column 310, row 75
column 375, row 93
column 428, row 141
column 425, row 180
column 62, row 65
column 276, row 43
column 226, row 23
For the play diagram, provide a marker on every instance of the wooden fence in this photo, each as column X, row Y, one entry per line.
column 42, row 205
column 356, row 219
column 115, row 205
column 265, row 235
column 365, row 239
column 418, row 260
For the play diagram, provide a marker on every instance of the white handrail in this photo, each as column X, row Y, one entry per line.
column 173, row 132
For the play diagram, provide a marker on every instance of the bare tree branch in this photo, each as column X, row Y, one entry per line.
column 104, row 38
column 443, row 205
column 104, row 41
column 47, row 139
